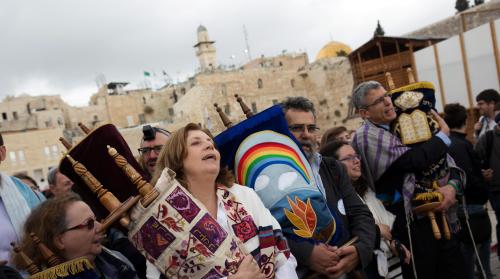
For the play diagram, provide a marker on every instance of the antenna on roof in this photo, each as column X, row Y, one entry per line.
column 247, row 45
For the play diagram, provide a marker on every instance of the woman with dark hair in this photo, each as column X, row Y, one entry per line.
column 476, row 192
column 67, row 226
column 236, row 211
column 387, row 250
column 339, row 133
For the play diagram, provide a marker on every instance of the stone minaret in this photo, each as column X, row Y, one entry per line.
column 205, row 50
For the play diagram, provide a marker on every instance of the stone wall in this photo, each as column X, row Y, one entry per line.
column 32, row 152
column 452, row 26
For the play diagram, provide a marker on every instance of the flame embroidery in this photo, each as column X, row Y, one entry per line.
column 302, row 217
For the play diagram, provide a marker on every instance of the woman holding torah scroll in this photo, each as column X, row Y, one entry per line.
column 209, row 226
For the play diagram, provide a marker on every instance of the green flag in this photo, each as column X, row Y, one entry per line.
column 147, row 74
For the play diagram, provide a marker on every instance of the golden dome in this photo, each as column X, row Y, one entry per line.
column 333, row 49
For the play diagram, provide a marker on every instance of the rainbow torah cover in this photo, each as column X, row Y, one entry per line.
column 263, row 155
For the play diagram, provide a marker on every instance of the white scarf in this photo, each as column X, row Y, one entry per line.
column 15, row 204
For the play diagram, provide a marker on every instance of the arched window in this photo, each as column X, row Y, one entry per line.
column 223, row 89
column 292, row 83
column 259, row 83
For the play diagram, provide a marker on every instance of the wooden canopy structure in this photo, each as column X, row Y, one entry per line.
column 382, row 55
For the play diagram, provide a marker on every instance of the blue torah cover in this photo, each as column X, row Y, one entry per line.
column 264, row 155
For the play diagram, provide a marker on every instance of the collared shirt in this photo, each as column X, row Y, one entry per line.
column 7, row 232
column 486, row 125
column 315, row 165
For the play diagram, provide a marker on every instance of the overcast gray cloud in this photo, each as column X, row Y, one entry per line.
column 60, row 46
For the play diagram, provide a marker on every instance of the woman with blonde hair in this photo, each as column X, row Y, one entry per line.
column 236, row 211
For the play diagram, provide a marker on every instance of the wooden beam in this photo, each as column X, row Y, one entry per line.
column 413, row 64
column 380, row 53
column 360, row 67
column 440, row 77
column 399, row 54
column 464, row 24
column 466, row 69
column 495, row 48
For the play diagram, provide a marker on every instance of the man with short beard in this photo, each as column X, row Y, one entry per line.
column 486, row 101
column 152, row 142
column 334, row 183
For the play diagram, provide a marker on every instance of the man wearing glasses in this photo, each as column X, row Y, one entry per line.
column 390, row 167
column 334, row 183
column 152, row 142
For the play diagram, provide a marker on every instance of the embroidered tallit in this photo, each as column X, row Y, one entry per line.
column 178, row 235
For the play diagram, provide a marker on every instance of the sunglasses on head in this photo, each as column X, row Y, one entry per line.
column 89, row 225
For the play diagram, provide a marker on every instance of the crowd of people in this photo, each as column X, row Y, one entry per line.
column 368, row 178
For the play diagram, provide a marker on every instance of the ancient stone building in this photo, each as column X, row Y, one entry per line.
column 466, row 20
column 31, row 126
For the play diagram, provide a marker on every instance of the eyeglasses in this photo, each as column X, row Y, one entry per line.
column 89, row 225
column 300, row 128
column 147, row 150
column 351, row 158
column 378, row 100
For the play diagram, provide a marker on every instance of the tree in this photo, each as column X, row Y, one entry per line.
column 461, row 5
column 342, row 53
column 478, row 2
column 379, row 31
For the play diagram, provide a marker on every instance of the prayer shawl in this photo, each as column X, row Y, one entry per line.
column 79, row 268
column 265, row 156
column 379, row 148
column 388, row 265
column 15, row 203
column 178, row 235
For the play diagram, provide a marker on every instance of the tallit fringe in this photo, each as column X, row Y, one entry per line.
column 65, row 269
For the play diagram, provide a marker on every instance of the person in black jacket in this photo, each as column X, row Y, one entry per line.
column 390, row 169
column 476, row 192
column 335, row 185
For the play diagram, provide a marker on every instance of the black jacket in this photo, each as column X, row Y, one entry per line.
column 463, row 153
column 358, row 220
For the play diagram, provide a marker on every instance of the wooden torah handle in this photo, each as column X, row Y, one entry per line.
column 29, row 265
column 148, row 193
column 65, row 143
column 84, row 128
column 435, row 228
column 47, row 254
column 107, row 199
column 390, row 81
column 246, row 110
column 225, row 120
column 446, row 228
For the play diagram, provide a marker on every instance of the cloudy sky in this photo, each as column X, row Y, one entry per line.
column 61, row 46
